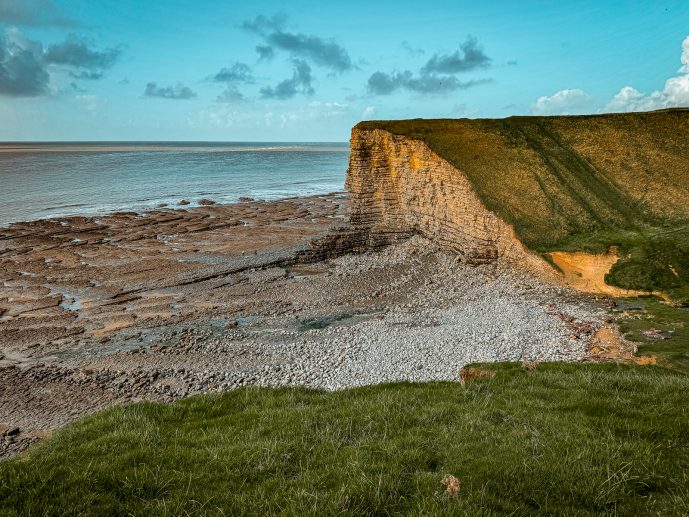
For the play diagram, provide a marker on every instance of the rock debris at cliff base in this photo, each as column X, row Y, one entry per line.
column 509, row 187
column 237, row 312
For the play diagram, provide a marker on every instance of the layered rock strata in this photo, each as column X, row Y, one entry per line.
column 400, row 187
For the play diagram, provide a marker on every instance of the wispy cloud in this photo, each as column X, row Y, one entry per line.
column 470, row 56
column 319, row 51
column 231, row 77
column 176, row 92
column 231, row 95
column 381, row 83
column 33, row 13
column 300, row 82
column 264, row 24
column 237, row 73
column 314, row 111
column 76, row 53
column 265, row 52
column 412, row 51
column 437, row 76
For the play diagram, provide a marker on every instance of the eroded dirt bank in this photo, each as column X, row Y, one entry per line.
column 172, row 303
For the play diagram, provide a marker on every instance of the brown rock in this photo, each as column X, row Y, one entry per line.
column 206, row 202
column 184, row 202
column 399, row 186
column 11, row 431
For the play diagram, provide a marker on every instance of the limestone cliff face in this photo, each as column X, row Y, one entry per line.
column 399, row 186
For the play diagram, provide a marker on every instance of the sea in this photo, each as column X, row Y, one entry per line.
column 50, row 180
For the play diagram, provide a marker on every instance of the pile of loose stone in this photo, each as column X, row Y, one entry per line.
column 409, row 312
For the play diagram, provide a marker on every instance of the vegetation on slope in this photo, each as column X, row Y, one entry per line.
column 660, row 329
column 558, row 439
column 581, row 183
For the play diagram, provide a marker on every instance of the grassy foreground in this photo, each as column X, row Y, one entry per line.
column 561, row 438
column 582, row 183
column 558, row 439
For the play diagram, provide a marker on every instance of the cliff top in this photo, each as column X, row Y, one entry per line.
column 580, row 183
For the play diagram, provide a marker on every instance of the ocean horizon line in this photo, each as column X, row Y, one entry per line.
column 168, row 142
column 169, row 146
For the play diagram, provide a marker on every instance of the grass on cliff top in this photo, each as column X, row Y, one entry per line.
column 563, row 438
column 581, row 183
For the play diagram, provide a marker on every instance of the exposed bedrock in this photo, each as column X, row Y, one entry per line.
column 400, row 187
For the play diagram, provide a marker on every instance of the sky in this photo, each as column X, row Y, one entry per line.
column 182, row 70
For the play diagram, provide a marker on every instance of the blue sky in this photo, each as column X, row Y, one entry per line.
column 308, row 71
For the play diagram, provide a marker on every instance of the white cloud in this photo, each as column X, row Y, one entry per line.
column 685, row 56
column 227, row 116
column 92, row 103
column 464, row 110
column 314, row 111
column 368, row 112
column 629, row 99
column 674, row 94
column 222, row 116
column 564, row 102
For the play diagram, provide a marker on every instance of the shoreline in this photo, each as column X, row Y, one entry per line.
column 190, row 204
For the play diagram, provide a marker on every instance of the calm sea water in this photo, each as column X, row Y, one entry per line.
column 55, row 180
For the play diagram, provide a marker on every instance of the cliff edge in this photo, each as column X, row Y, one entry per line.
column 529, row 189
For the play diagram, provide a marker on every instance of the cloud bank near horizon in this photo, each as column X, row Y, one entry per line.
column 675, row 94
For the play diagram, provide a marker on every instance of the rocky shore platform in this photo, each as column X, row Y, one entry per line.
column 171, row 303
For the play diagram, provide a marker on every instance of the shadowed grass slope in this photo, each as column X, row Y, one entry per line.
column 581, row 183
column 573, row 439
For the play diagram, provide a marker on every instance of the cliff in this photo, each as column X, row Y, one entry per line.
column 524, row 187
column 400, row 186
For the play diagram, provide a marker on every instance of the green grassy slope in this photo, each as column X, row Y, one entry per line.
column 673, row 322
column 581, row 183
column 561, row 439
column 573, row 439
